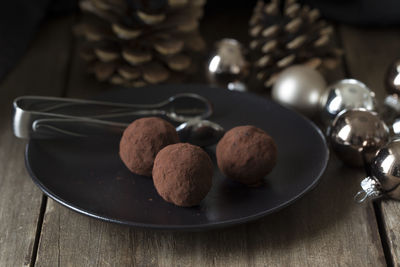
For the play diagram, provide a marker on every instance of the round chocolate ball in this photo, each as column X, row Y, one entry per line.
column 142, row 140
column 182, row 174
column 246, row 154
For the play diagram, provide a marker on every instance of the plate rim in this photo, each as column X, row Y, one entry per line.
column 191, row 227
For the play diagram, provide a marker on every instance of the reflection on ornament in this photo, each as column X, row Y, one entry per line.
column 392, row 78
column 356, row 135
column 346, row 94
column 213, row 66
column 299, row 87
column 396, row 81
column 391, row 104
column 396, row 127
column 227, row 66
column 385, row 176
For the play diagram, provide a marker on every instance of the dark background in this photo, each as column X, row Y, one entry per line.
column 20, row 19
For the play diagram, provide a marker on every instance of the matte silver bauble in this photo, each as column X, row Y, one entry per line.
column 227, row 66
column 346, row 94
column 392, row 78
column 385, row 174
column 356, row 135
column 299, row 87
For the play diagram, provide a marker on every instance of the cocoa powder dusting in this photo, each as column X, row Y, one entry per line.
column 182, row 174
column 246, row 154
column 142, row 140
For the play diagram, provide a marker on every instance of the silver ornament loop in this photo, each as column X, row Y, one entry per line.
column 370, row 190
column 361, row 196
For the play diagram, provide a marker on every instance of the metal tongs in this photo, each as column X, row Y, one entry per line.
column 49, row 117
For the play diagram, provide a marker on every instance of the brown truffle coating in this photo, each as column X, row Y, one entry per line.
column 246, row 154
column 182, row 174
column 142, row 140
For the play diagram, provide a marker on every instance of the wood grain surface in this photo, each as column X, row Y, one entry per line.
column 41, row 71
column 324, row 228
column 369, row 53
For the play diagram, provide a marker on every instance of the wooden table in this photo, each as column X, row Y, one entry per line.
column 324, row 228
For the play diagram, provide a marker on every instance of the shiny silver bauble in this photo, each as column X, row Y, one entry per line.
column 299, row 87
column 386, row 168
column 346, row 94
column 395, row 128
column 356, row 135
column 391, row 104
column 392, row 78
column 385, row 174
column 227, row 66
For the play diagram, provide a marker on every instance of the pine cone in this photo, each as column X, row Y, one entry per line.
column 139, row 42
column 286, row 33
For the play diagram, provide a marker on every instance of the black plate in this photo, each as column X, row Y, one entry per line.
column 88, row 176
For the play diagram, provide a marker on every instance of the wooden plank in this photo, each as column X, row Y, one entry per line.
column 391, row 215
column 41, row 71
column 369, row 53
column 326, row 227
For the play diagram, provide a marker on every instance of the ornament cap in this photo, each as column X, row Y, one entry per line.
column 370, row 190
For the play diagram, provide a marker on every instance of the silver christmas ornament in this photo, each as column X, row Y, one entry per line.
column 391, row 104
column 346, row 94
column 395, row 128
column 227, row 65
column 356, row 135
column 299, row 87
column 392, row 78
column 385, row 175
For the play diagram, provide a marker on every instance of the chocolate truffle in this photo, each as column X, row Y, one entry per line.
column 142, row 140
column 182, row 174
column 246, row 154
